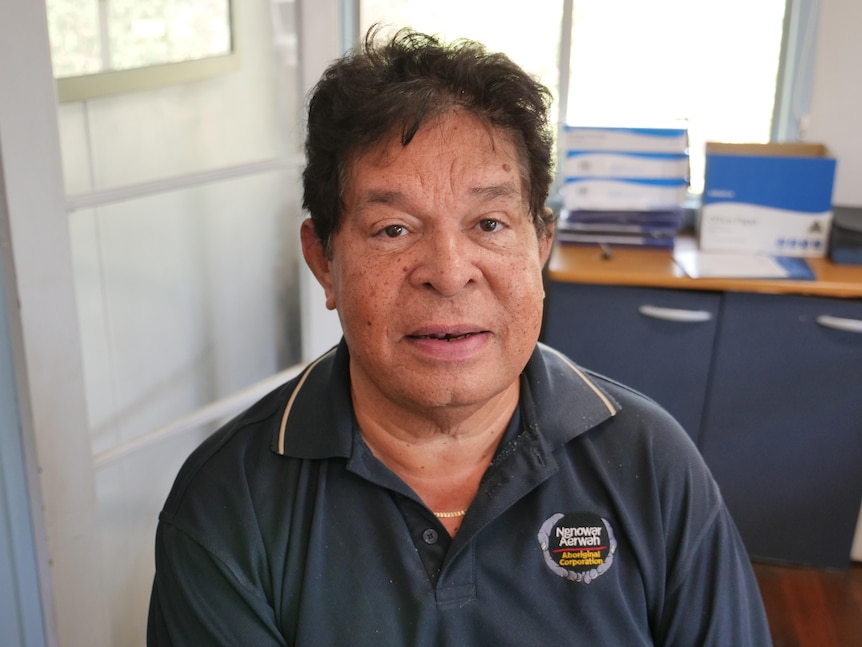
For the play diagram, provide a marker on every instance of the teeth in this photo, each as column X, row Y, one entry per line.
column 448, row 337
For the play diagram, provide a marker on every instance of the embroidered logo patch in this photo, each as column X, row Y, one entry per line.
column 578, row 546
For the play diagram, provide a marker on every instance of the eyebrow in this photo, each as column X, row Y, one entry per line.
column 375, row 196
column 496, row 191
column 390, row 197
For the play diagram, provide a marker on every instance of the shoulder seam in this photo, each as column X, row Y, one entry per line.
column 680, row 572
column 192, row 537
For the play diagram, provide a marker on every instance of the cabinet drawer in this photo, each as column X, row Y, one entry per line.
column 782, row 429
column 657, row 341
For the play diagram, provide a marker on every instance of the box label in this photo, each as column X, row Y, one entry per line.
column 730, row 226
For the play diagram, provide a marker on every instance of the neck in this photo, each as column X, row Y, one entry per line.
column 438, row 440
column 442, row 456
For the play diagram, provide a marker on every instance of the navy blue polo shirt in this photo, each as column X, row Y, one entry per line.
column 596, row 523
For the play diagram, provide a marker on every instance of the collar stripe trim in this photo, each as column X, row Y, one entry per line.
column 607, row 402
column 283, row 429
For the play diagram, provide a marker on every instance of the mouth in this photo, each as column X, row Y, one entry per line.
column 447, row 336
column 449, row 344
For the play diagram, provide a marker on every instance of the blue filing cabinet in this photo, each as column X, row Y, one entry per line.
column 653, row 340
column 769, row 386
column 782, row 430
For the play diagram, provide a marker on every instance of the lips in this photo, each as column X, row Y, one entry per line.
column 448, row 344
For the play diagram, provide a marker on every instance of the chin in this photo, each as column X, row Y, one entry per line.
column 458, row 393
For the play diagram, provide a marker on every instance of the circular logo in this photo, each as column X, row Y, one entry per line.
column 577, row 546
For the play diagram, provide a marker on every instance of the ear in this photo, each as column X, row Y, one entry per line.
column 546, row 241
column 317, row 261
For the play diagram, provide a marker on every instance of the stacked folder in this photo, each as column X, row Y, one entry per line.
column 624, row 186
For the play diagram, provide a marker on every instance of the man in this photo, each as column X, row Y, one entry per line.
column 440, row 478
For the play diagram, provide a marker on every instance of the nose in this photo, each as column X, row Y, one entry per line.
column 447, row 261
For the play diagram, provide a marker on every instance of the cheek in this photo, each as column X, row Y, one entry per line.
column 529, row 296
column 367, row 295
column 521, row 297
column 524, row 276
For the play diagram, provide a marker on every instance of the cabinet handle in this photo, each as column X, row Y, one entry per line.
column 840, row 323
column 675, row 314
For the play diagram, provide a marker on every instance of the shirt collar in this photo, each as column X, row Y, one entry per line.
column 560, row 401
column 317, row 420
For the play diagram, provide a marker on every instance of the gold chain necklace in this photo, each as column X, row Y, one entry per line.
column 450, row 515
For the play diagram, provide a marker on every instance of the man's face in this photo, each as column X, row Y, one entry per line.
column 436, row 269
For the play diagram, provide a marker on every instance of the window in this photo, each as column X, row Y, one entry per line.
column 102, row 47
column 712, row 66
column 531, row 40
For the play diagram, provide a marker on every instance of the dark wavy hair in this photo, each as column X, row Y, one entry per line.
column 381, row 89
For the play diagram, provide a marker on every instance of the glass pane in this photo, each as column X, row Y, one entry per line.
column 185, row 298
column 712, row 64
column 530, row 38
column 73, row 26
column 239, row 118
column 166, row 31
column 91, row 36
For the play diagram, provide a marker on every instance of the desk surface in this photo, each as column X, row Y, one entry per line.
column 656, row 268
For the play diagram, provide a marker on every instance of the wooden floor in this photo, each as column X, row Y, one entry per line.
column 809, row 607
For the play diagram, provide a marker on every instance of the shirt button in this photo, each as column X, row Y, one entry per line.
column 429, row 536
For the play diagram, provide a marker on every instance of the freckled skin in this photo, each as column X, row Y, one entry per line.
column 436, row 240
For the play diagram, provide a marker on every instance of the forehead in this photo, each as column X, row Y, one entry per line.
column 456, row 145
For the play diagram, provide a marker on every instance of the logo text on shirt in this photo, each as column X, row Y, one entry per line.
column 577, row 546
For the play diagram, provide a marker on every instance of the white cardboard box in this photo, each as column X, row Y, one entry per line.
column 632, row 140
column 626, row 165
column 767, row 198
column 621, row 195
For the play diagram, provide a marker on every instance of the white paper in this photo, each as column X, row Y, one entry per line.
column 729, row 265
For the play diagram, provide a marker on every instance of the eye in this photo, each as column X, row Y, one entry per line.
column 393, row 231
column 489, row 224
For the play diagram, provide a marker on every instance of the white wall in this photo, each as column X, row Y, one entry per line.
column 836, row 102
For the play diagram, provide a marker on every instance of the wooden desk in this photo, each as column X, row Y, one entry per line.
column 656, row 268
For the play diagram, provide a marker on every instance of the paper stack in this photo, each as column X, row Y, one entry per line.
column 624, row 186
